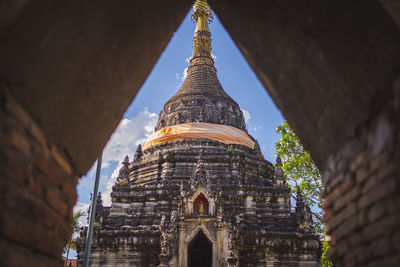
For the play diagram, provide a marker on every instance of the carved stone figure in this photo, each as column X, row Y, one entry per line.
column 201, row 209
column 303, row 212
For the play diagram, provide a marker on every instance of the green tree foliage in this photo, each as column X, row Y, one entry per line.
column 75, row 230
column 325, row 262
column 301, row 173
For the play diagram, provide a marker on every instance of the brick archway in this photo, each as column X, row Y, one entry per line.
column 330, row 66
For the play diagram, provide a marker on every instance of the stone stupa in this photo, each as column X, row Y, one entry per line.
column 199, row 192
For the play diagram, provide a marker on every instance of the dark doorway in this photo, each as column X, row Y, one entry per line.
column 200, row 251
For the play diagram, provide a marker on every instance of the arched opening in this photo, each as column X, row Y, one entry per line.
column 200, row 205
column 200, row 251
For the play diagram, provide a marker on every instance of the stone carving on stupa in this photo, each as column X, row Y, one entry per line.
column 166, row 236
column 279, row 175
column 123, row 176
column 303, row 212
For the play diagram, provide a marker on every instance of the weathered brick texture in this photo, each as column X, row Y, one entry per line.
column 37, row 191
column 362, row 199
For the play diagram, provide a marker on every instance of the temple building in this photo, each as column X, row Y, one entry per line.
column 199, row 192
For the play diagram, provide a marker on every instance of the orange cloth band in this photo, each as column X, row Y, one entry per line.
column 222, row 133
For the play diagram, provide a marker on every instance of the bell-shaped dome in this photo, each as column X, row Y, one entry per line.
column 201, row 97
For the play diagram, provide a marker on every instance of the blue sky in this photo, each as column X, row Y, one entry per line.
column 236, row 77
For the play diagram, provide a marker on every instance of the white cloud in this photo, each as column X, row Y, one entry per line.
column 79, row 206
column 129, row 134
column 214, row 57
column 110, row 183
column 247, row 118
column 182, row 76
column 246, row 115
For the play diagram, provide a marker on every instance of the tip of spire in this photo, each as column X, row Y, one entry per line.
column 202, row 37
column 202, row 9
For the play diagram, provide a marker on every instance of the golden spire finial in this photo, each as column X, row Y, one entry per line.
column 202, row 23
column 202, row 14
column 201, row 7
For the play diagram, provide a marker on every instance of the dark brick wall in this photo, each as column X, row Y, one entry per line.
column 362, row 195
column 37, row 191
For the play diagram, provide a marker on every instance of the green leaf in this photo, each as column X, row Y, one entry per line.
column 300, row 170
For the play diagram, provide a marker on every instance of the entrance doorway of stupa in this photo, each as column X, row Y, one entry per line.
column 200, row 251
